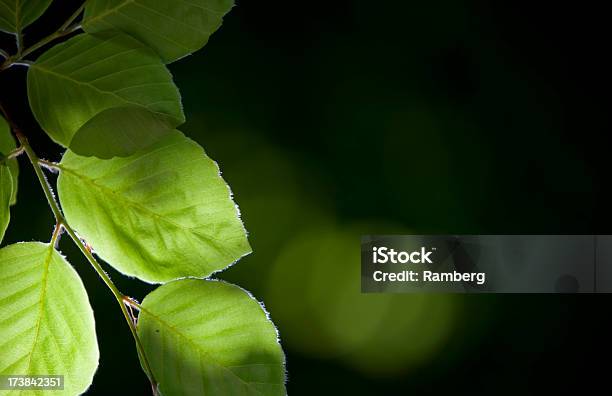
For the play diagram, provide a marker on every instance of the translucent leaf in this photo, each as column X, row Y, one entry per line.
column 160, row 214
column 15, row 15
column 9, row 171
column 210, row 338
column 46, row 322
column 6, row 191
column 7, row 144
column 173, row 28
column 75, row 81
column 119, row 132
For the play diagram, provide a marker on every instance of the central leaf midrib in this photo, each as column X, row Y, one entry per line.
column 91, row 86
column 41, row 301
column 140, row 207
column 18, row 18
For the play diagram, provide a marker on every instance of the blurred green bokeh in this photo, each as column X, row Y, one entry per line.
column 314, row 290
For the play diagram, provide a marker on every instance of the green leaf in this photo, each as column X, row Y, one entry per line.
column 75, row 81
column 210, row 338
column 46, row 322
column 15, row 15
column 7, row 144
column 161, row 214
column 119, row 132
column 173, row 28
column 6, row 192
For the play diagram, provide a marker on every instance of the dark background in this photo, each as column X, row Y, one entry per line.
column 336, row 119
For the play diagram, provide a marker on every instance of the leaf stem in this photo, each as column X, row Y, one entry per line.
column 4, row 54
column 134, row 304
column 19, row 41
column 57, row 232
column 72, row 18
column 13, row 154
column 83, row 247
column 49, row 164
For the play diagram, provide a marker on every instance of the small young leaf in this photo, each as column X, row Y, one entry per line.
column 6, row 192
column 15, row 15
column 7, row 144
column 210, row 338
column 161, row 214
column 75, row 81
column 46, row 322
column 172, row 28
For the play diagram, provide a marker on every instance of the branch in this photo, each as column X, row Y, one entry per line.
column 67, row 28
column 57, row 213
column 118, row 296
column 61, row 223
column 48, row 39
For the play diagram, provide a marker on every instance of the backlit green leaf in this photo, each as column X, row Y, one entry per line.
column 7, row 144
column 15, row 15
column 75, row 81
column 119, row 132
column 6, row 191
column 173, row 28
column 160, row 214
column 210, row 338
column 46, row 322
column 9, row 171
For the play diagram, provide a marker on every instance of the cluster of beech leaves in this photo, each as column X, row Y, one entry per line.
column 143, row 196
